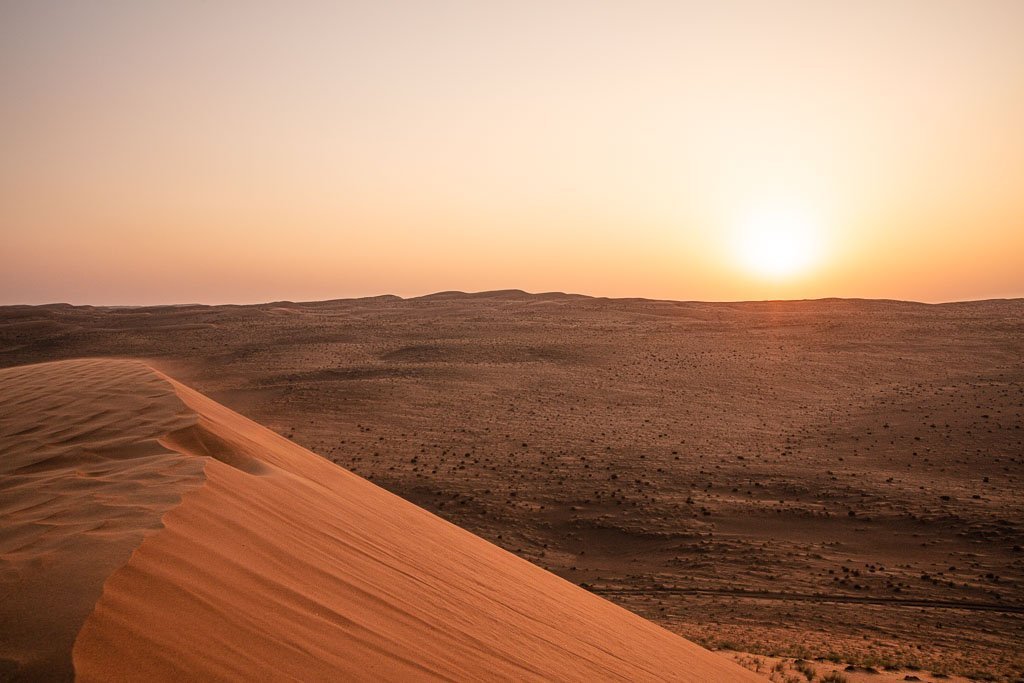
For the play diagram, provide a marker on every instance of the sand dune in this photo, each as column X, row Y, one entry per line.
column 82, row 480
column 150, row 533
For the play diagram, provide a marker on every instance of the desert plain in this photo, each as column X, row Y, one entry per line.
column 804, row 486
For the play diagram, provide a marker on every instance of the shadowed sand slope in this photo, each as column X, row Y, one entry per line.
column 255, row 558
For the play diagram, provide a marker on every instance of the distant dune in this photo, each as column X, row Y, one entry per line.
column 149, row 532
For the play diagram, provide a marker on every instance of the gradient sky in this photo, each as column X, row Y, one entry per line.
column 242, row 152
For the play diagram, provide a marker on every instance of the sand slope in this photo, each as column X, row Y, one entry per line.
column 82, row 480
column 275, row 564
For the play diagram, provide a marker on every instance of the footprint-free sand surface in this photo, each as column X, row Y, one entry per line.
column 150, row 533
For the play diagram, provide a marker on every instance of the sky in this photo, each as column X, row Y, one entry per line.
column 248, row 151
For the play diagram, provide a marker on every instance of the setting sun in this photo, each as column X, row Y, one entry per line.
column 778, row 244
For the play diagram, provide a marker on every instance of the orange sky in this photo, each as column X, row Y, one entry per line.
column 180, row 152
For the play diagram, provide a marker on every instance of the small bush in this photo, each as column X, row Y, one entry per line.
column 834, row 677
column 805, row 668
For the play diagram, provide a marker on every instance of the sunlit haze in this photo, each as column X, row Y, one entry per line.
column 244, row 152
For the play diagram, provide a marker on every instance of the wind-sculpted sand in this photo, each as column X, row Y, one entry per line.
column 83, row 480
column 149, row 533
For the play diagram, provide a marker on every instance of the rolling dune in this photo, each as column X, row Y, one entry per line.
column 151, row 533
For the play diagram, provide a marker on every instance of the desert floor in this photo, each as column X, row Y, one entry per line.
column 834, row 479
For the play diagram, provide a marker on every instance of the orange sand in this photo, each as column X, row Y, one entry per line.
column 271, row 562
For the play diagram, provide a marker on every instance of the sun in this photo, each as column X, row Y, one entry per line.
column 777, row 244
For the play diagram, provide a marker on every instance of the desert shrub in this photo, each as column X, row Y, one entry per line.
column 805, row 668
column 834, row 677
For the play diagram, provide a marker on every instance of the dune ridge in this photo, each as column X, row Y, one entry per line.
column 228, row 552
column 83, row 479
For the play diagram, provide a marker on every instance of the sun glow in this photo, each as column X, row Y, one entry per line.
column 778, row 244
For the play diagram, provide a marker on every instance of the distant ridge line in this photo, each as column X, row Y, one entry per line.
column 508, row 295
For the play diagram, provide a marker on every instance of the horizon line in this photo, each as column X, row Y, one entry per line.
column 452, row 293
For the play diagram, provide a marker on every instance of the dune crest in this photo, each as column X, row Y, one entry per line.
column 83, row 479
column 254, row 557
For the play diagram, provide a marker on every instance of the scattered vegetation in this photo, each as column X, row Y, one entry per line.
column 834, row 677
column 806, row 669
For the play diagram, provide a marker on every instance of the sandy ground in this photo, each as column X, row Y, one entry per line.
column 83, row 480
column 833, row 479
column 795, row 670
column 251, row 558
